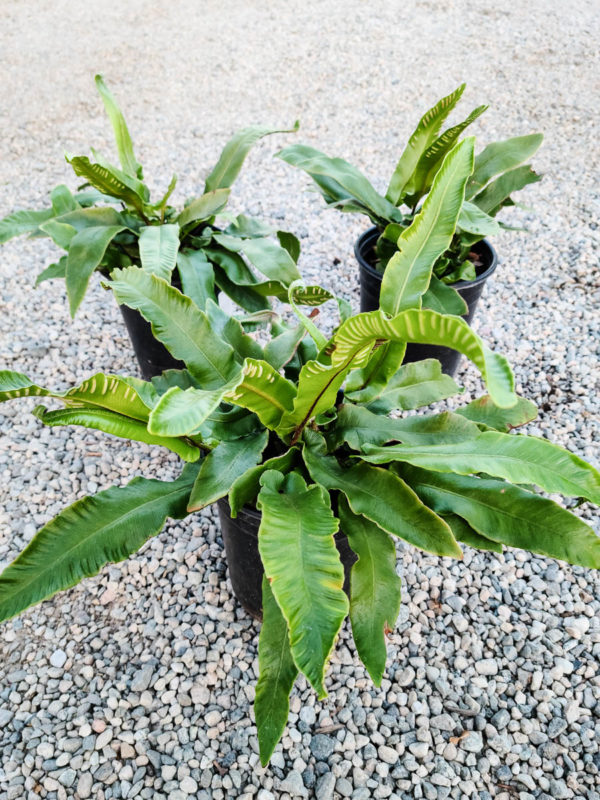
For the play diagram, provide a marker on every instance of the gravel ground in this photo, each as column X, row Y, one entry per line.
column 139, row 683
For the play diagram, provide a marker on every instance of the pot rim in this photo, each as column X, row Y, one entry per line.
column 372, row 233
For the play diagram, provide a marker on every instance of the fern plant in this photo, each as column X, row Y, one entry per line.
column 300, row 428
column 499, row 171
column 112, row 223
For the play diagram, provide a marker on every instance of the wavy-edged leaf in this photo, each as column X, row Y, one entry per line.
column 122, row 137
column 358, row 336
column 112, row 392
column 159, row 245
column 115, row 424
column 245, row 296
column 408, row 272
column 231, row 330
column 178, row 323
column 267, row 256
column 444, row 299
column 420, row 140
column 484, row 412
column 197, row 276
column 304, row 295
column 245, row 488
column 317, row 391
column 465, row 534
column 20, row 222
column 382, row 497
column 223, row 466
column 374, row 588
column 89, row 534
column 497, row 193
column 264, row 391
column 516, row 458
column 86, row 251
column 276, row 675
column 234, row 153
column 339, row 181
column 498, row 157
column 111, row 181
column 414, row 385
column 302, row 564
column 430, row 161
column 181, row 412
column 358, row 426
column 204, row 208
column 508, row 514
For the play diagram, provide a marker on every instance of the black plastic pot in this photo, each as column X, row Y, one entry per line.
column 240, row 536
column 153, row 357
column 470, row 291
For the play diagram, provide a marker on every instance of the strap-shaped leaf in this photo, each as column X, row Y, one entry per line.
column 356, row 338
column 111, row 181
column 318, row 386
column 234, row 153
column 159, row 245
column 444, row 299
column 516, row 458
column 57, row 270
column 20, row 222
column 122, row 137
column 231, row 330
column 508, row 514
column 245, row 488
column 204, row 207
column 357, row 426
column 116, row 424
column 430, row 161
column 267, row 256
column 465, row 534
column 62, row 200
column 474, row 220
column 181, row 412
column 498, row 157
column 60, row 232
column 374, row 588
column 197, row 276
column 281, row 348
column 497, row 193
column 420, row 140
column 264, row 391
column 223, row 466
column 339, row 180
column 484, row 412
column 89, row 534
column 302, row 564
column 178, row 323
column 408, row 272
column 276, row 675
column 381, row 497
column 86, row 251
column 111, row 392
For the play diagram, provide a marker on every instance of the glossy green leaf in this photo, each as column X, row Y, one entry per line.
column 374, row 588
column 122, row 137
column 508, row 514
column 83, row 218
column 245, row 488
column 178, row 323
column 382, row 497
column 231, row 330
column 302, row 564
column 465, row 534
column 499, row 157
column 484, row 412
column 497, row 193
column 159, row 245
column 267, row 256
column 223, row 466
column 89, row 534
column 234, row 153
column 357, row 426
column 444, row 299
column 117, row 425
column 408, row 272
column 111, row 181
column 339, row 180
column 317, row 391
column 197, row 276
column 20, row 222
column 62, row 200
column 204, row 207
column 60, row 232
column 264, row 391
column 181, row 412
column 280, row 349
column 290, row 243
column 276, row 675
column 86, row 252
column 474, row 220
column 57, row 270
column 516, row 458
column 420, row 140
